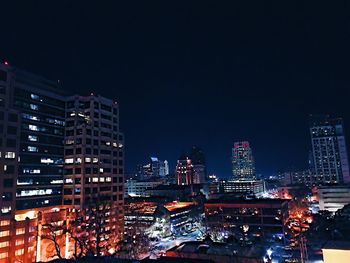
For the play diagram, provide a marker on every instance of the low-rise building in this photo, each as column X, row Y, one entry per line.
column 135, row 187
column 332, row 198
column 336, row 252
column 181, row 215
column 260, row 215
column 238, row 186
column 216, row 252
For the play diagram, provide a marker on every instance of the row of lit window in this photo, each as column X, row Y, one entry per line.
column 9, row 155
column 93, row 179
column 79, row 160
column 35, row 192
column 37, row 118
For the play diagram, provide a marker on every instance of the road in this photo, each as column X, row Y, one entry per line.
column 164, row 244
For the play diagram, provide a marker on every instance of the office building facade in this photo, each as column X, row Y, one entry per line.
column 39, row 104
column 184, row 171
column 153, row 168
column 36, row 149
column 135, row 187
column 199, row 165
column 261, row 215
column 93, row 152
column 243, row 166
column 238, row 186
column 330, row 158
column 333, row 198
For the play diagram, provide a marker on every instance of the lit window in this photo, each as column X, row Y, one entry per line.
column 56, row 182
column 46, row 160
column 34, row 97
column 19, row 252
column 32, row 138
column 4, row 244
column 34, row 107
column 69, row 142
column 108, row 179
column 32, row 149
column 95, row 179
column 95, row 160
column 69, row 181
column 19, row 242
column 4, row 233
column 4, row 222
column 34, row 192
column 88, row 160
column 78, row 160
column 25, row 182
column 31, row 171
column 101, row 170
column 4, row 255
column 30, row 117
column 102, row 179
column 68, row 160
column 6, row 209
column 33, row 127
column 10, row 155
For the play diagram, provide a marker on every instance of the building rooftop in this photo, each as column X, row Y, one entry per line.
column 336, row 244
column 176, row 260
column 230, row 200
column 177, row 205
column 170, row 187
column 223, row 249
column 142, row 208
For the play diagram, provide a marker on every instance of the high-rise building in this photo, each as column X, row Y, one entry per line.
column 154, row 168
column 9, row 146
column 184, row 171
column 41, row 110
column 93, row 152
column 330, row 158
column 243, row 166
column 199, row 168
column 48, row 167
column 164, row 169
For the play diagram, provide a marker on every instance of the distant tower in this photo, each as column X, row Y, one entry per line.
column 199, row 169
column 330, row 158
column 166, row 168
column 243, row 166
column 184, row 171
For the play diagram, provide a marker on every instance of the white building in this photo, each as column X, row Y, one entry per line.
column 332, row 198
column 139, row 187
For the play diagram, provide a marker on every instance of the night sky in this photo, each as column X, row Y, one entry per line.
column 194, row 74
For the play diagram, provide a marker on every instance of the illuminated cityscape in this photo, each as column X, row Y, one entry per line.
column 174, row 132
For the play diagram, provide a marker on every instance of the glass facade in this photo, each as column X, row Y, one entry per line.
column 330, row 161
column 41, row 107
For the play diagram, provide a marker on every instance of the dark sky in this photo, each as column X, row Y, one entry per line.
column 194, row 72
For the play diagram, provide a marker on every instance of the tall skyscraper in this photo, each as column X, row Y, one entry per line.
column 94, row 158
column 154, row 168
column 184, row 171
column 56, row 153
column 9, row 146
column 41, row 110
column 330, row 158
column 199, row 168
column 164, row 171
column 243, row 166
column 93, row 152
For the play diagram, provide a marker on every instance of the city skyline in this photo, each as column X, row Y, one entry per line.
column 240, row 88
column 174, row 132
